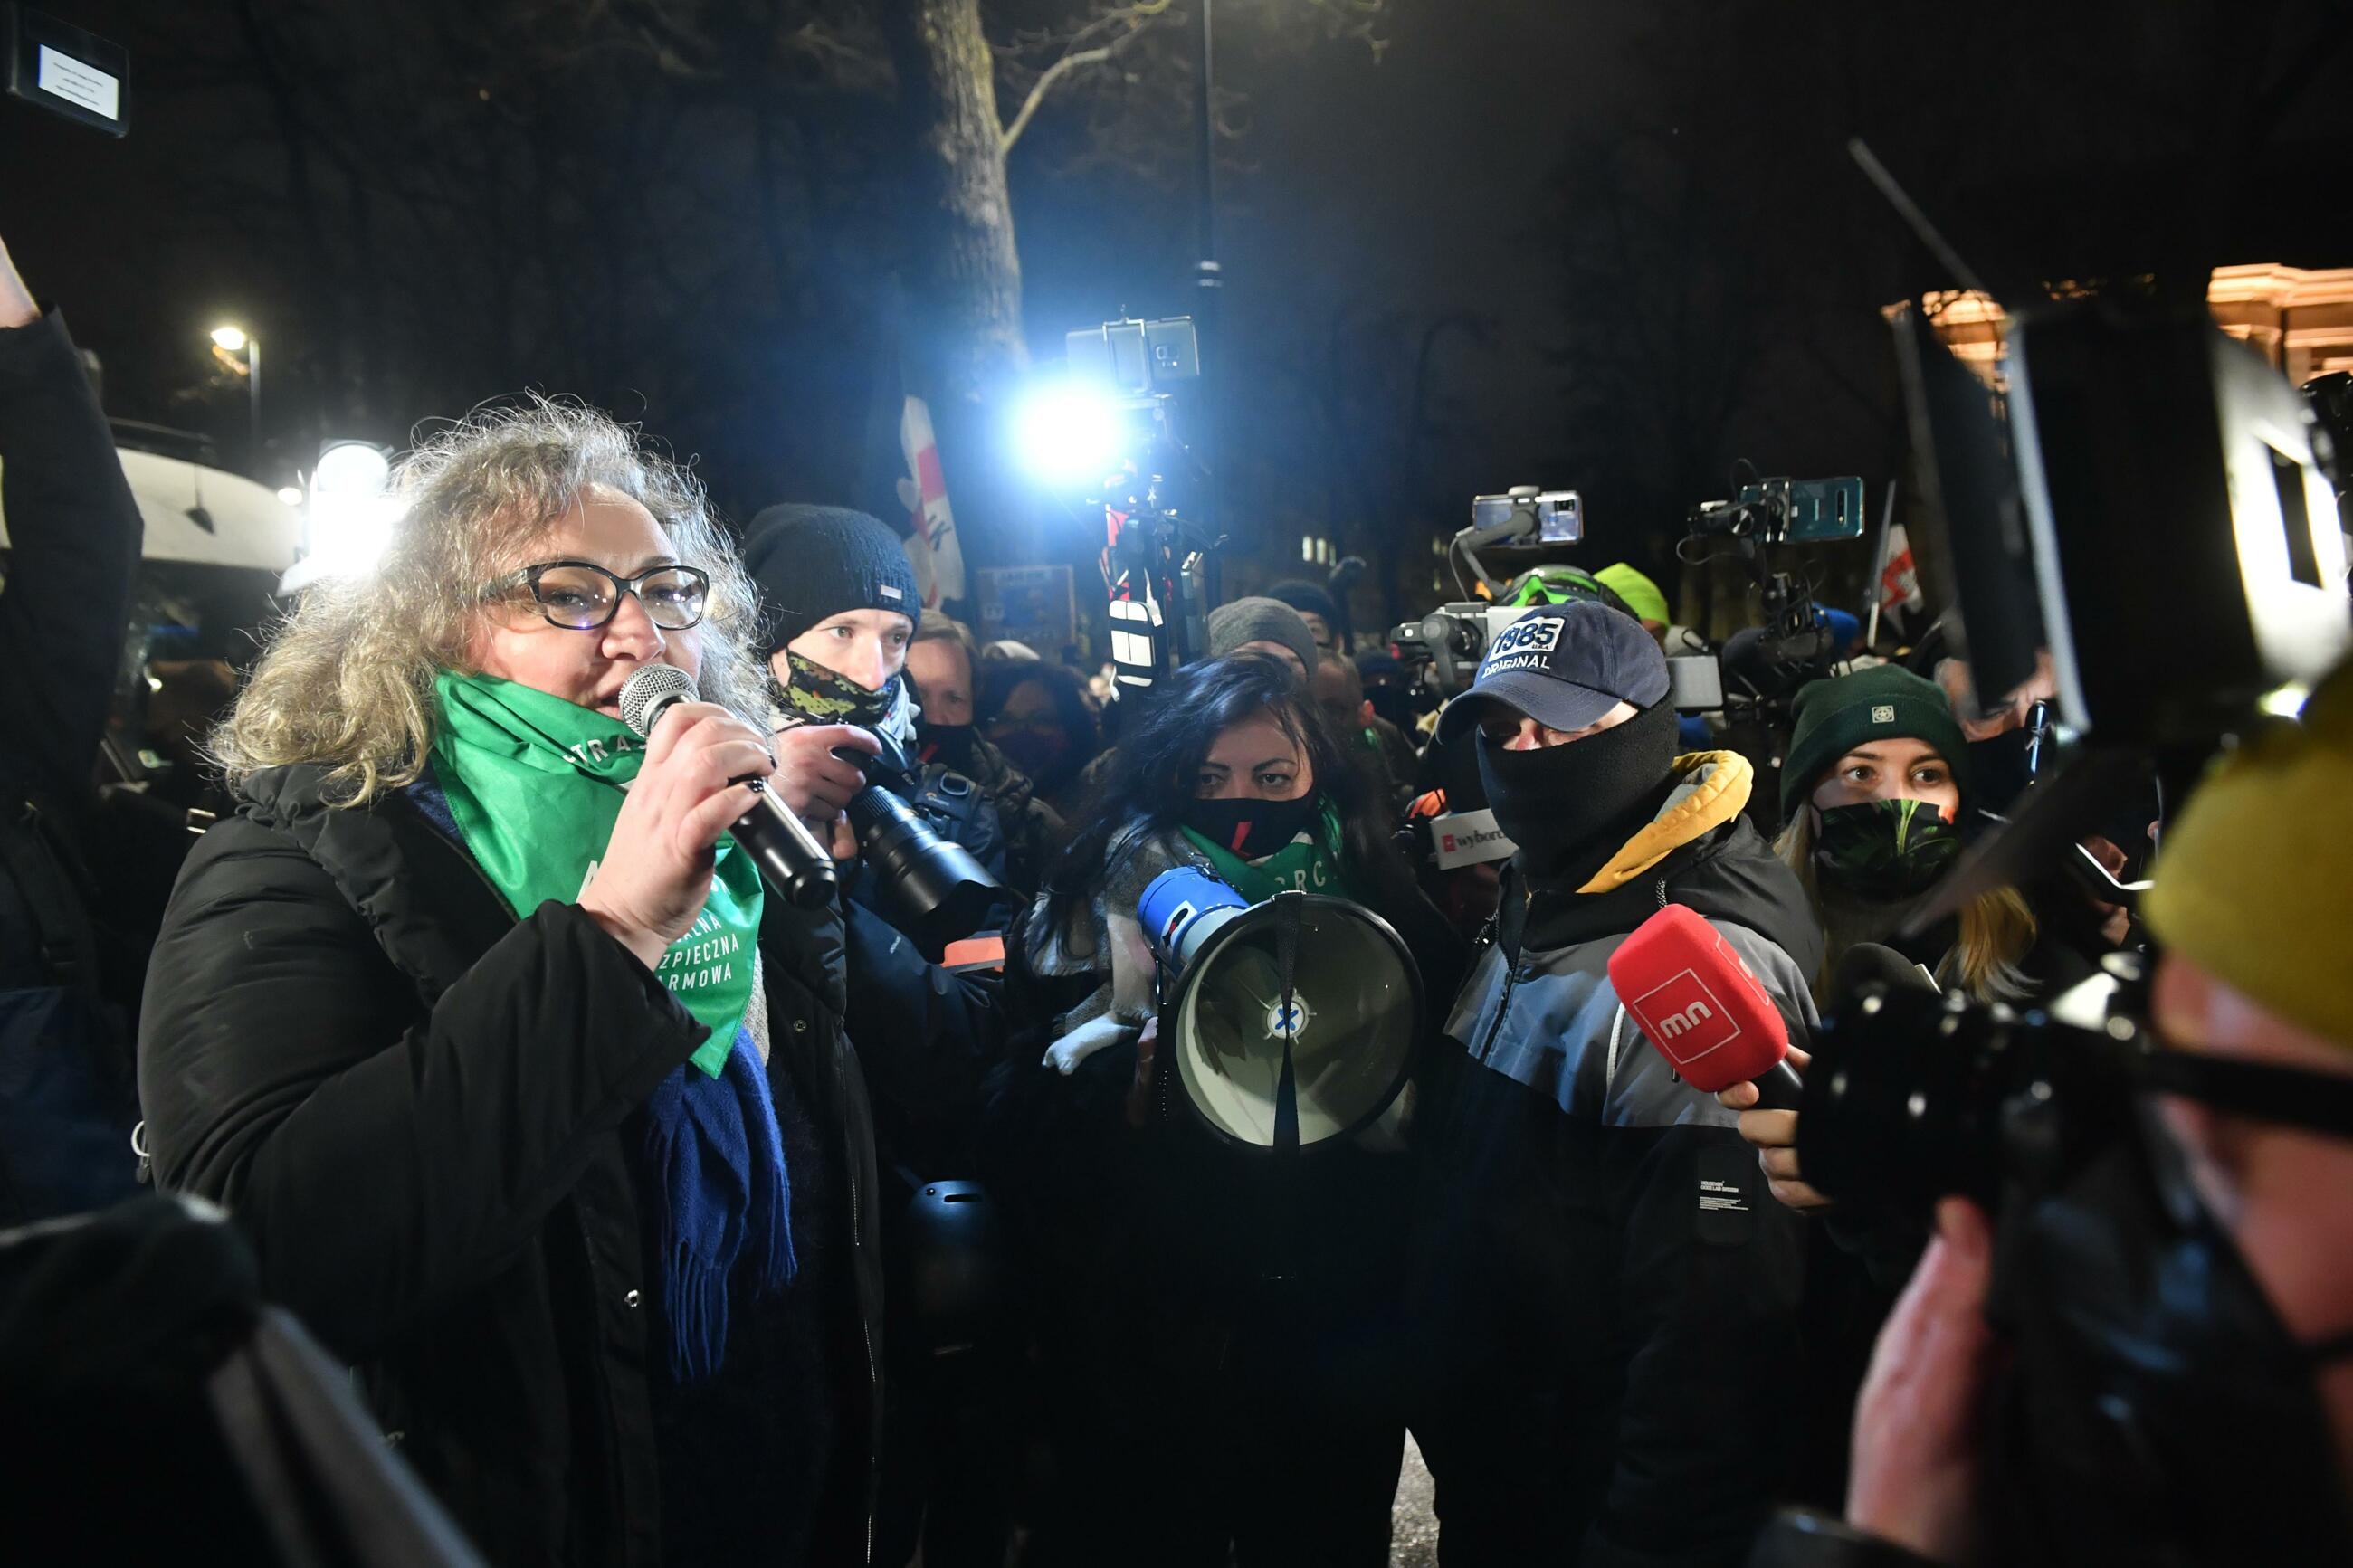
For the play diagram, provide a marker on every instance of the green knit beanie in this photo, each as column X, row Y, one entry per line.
column 1884, row 703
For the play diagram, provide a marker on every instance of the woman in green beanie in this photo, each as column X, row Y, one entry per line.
column 1871, row 790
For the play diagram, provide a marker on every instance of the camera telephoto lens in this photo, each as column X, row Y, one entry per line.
column 930, row 888
column 1913, row 1096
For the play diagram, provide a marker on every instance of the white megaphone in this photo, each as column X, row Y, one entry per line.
column 1286, row 1023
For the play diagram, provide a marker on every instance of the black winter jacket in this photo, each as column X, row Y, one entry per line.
column 74, row 535
column 415, row 1104
column 69, row 962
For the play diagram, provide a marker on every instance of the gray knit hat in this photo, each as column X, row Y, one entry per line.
column 1261, row 620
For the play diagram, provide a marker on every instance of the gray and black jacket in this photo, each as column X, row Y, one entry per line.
column 1612, row 1291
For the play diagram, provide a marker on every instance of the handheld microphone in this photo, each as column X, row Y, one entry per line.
column 1703, row 1009
column 786, row 852
column 1869, row 963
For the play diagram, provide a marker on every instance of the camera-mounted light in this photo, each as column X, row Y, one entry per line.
column 351, row 514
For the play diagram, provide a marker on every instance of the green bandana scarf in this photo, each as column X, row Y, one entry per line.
column 1885, row 849
column 1309, row 863
column 535, row 784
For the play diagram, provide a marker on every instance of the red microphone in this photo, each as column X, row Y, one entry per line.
column 1703, row 1009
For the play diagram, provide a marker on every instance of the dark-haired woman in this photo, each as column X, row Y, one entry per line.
column 1222, row 1387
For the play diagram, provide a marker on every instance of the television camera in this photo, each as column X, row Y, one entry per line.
column 1793, row 641
column 2149, row 512
column 1444, row 648
column 1521, row 526
column 1109, row 437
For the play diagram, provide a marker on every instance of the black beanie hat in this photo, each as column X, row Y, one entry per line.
column 1832, row 717
column 811, row 562
column 1308, row 599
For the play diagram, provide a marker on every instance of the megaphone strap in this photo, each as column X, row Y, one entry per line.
column 1286, row 959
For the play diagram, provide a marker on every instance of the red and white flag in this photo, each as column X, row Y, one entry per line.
column 1899, row 577
column 931, row 545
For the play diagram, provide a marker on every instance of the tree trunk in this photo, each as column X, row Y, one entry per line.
column 965, row 348
column 964, row 272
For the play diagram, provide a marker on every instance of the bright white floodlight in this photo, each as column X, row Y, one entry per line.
column 352, row 469
column 351, row 514
column 1068, row 434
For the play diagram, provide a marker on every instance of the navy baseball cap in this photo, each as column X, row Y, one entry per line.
column 1564, row 666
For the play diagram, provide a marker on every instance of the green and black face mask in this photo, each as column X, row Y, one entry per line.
column 1885, row 849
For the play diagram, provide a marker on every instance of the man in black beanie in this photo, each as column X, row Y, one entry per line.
column 838, row 598
column 839, row 606
column 1614, row 1294
column 1316, row 607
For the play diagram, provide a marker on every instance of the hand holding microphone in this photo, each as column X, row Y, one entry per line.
column 1773, row 1134
column 1698, row 1003
column 654, row 874
column 706, row 774
column 1702, row 1008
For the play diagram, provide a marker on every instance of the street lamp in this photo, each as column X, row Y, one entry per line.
column 228, row 342
column 1209, row 278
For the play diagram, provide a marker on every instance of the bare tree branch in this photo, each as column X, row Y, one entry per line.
column 1135, row 20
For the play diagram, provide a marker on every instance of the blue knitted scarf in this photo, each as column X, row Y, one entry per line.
column 718, row 1163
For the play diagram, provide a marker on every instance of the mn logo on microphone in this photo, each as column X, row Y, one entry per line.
column 1685, row 1019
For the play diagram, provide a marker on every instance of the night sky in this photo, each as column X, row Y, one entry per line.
column 1636, row 221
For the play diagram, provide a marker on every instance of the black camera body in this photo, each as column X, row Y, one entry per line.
column 929, row 886
column 1912, row 1095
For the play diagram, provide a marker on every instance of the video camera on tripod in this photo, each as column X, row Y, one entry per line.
column 1109, row 437
column 1443, row 647
column 1793, row 642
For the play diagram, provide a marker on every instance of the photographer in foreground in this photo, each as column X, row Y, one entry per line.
column 2154, row 1362
column 1613, row 1300
column 840, row 610
column 535, row 1106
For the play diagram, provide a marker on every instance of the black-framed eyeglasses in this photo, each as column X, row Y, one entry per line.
column 581, row 597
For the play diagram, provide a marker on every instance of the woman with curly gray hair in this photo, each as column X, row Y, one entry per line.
column 532, row 1105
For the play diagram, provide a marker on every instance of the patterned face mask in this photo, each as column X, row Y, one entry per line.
column 1885, row 849
column 821, row 696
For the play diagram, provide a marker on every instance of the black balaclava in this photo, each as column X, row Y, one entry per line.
column 950, row 745
column 1570, row 808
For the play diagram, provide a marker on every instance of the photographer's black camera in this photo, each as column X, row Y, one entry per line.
column 929, row 886
column 1913, row 1096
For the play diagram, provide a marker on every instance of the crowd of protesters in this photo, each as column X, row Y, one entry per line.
column 660, row 1218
